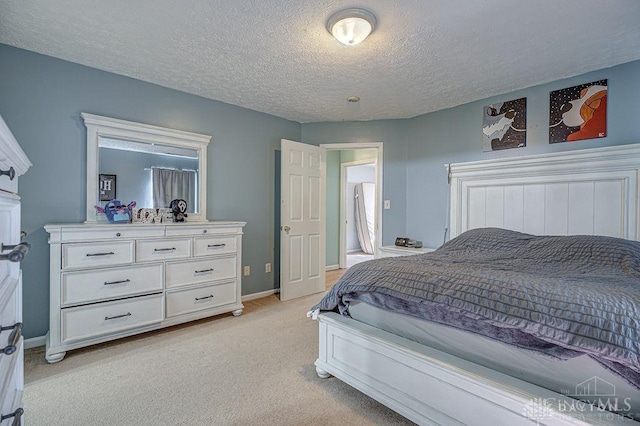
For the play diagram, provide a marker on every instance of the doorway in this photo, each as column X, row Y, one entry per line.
column 336, row 262
column 347, row 165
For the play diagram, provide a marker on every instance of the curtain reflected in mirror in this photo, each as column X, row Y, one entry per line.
column 169, row 184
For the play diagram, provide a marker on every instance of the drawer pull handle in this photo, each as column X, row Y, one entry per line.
column 17, row 421
column 14, row 337
column 100, row 254
column 117, row 282
column 204, row 270
column 205, row 297
column 17, row 253
column 11, row 173
column 165, row 249
column 128, row 314
column 216, row 245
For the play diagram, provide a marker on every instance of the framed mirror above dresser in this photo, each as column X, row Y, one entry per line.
column 112, row 280
column 138, row 154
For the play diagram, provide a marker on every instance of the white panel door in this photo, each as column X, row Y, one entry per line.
column 302, row 234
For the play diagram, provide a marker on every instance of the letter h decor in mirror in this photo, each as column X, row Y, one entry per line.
column 151, row 165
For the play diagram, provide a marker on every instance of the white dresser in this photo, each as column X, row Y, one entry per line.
column 13, row 163
column 110, row 281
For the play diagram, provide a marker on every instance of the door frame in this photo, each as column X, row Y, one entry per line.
column 378, row 146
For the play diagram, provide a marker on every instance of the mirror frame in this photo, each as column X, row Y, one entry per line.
column 98, row 126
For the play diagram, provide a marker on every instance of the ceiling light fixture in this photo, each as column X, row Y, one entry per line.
column 351, row 26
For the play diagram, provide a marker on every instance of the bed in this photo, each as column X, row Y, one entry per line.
column 568, row 222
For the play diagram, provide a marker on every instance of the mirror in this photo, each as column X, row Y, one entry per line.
column 147, row 164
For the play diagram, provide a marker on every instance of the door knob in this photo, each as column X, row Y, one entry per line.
column 286, row 229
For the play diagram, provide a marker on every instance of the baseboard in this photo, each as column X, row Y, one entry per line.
column 259, row 295
column 34, row 342
column 331, row 267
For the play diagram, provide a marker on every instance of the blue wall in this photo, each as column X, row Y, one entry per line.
column 41, row 99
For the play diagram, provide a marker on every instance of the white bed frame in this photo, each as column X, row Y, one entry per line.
column 591, row 191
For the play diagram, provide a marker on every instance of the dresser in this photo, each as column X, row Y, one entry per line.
column 13, row 163
column 110, row 281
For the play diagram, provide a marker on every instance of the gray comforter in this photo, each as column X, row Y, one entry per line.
column 561, row 296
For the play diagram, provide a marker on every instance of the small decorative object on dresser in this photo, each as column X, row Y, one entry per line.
column 13, row 164
column 145, row 215
column 179, row 208
column 116, row 212
column 111, row 281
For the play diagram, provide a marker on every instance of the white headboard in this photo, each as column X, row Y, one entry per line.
column 589, row 191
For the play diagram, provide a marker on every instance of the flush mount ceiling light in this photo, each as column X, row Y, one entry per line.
column 351, row 26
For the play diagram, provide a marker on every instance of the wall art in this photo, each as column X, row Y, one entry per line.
column 578, row 112
column 504, row 125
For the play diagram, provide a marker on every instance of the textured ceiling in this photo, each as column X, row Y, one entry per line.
column 276, row 56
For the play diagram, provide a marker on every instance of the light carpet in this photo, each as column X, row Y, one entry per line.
column 256, row 369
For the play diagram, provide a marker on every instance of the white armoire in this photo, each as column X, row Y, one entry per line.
column 13, row 163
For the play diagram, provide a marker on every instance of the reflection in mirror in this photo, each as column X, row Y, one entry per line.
column 150, row 174
column 148, row 164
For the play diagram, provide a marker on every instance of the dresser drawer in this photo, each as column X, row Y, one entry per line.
column 188, row 229
column 147, row 250
column 91, row 255
column 102, row 284
column 111, row 231
column 196, row 299
column 205, row 246
column 200, row 271
column 89, row 321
